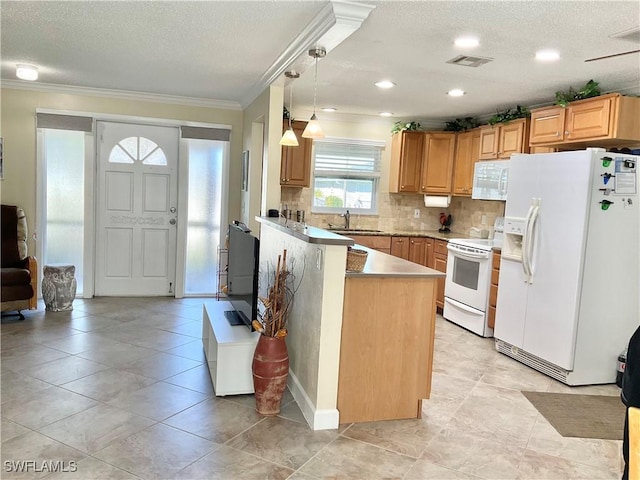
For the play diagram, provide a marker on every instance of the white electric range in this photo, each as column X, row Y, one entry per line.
column 468, row 281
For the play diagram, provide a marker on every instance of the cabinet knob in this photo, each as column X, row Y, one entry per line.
column 557, row 134
column 402, row 186
column 423, row 187
column 412, row 241
column 284, row 180
column 288, row 179
column 567, row 132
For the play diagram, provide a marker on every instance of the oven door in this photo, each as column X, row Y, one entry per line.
column 468, row 276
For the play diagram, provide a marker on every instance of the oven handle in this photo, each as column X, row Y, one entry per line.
column 464, row 253
column 461, row 306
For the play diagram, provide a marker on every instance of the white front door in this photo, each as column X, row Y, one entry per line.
column 136, row 209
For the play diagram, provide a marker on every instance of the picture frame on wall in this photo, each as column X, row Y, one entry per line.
column 245, row 171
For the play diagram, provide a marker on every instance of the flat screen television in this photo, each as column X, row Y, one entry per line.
column 242, row 275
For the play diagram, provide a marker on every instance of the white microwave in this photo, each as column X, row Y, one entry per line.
column 490, row 180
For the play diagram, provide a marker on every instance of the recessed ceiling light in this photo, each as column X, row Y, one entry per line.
column 547, row 55
column 466, row 42
column 456, row 92
column 27, row 72
column 385, row 84
column 329, row 109
column 386, row 114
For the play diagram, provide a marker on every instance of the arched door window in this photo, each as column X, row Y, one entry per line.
column 137, row 149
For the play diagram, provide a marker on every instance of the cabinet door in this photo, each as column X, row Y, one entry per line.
column 467, row 151
column 418, row 250
column 296, row 160
column 489, row 137
column 547, row 125
column 440, row 264
column 407, row 150
column 376, row 242
column 513, row 138
column 588, row 119
column 437, row 166
column 400, row 247
column 430, row 251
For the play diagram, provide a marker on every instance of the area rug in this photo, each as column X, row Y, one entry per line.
column 585, row 416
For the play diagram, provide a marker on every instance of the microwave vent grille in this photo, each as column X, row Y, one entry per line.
column 467, row 61
column 532, row 361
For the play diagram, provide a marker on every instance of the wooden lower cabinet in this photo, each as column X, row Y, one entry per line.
column 418, row 250
column 400, row 247
column 440, row 254
column 493, row 290
column 386, row 348
column 376, row 242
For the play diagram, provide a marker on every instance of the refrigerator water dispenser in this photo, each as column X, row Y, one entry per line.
column 513, row 234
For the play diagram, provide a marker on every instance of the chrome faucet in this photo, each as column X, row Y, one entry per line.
column 347, row 218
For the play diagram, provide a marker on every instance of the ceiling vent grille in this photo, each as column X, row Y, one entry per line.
column 466, row 61
column 630, row 35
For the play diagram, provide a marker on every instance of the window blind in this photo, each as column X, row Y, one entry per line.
column 346, row 159
column 64, row 122
column 204, row 133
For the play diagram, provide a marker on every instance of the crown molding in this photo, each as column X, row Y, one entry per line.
column 121, row 94
column 332, row 25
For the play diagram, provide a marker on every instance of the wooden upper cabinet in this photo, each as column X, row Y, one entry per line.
column 295, row 165
column 407, row 149
column 607, row 120
column 467, row 152
column 547, row 125
column 505, row 139
column 437, row 165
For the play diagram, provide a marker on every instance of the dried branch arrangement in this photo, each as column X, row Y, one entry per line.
column 272, row 319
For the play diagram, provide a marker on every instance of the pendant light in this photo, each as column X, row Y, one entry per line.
column 313, row 129
column 289, row 138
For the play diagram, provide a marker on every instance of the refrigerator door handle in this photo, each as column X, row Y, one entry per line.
column 525, row 244
column 530, row 245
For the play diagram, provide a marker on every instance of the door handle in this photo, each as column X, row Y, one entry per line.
column 172, row 221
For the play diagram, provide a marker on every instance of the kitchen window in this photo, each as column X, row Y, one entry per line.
column 346, row 175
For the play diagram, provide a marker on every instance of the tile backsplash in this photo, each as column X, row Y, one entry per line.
column 396, row 212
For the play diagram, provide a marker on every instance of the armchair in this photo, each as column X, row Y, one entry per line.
column 18, row 271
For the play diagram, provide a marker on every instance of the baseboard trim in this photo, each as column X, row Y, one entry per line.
column 318, row 419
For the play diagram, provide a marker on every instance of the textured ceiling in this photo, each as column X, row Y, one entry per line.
column 220, row 50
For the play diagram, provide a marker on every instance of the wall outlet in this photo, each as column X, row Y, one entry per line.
column 416, row 213
column 484, row 219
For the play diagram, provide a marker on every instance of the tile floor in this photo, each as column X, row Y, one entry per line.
column 119, row 387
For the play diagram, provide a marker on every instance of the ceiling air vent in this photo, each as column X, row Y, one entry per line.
column 466, row 61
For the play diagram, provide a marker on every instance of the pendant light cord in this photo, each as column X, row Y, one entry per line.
column 290, row 104
column 315, row 86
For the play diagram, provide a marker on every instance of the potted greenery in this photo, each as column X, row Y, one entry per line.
column 590, row 89
column 461, row 124
column 271, row 360
column 504, row 116
column 402, row 126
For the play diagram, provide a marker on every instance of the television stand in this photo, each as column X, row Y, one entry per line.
column 233, row 318
column 229, row 350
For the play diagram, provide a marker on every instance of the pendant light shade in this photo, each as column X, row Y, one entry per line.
column 289, row 138
column 313, row 129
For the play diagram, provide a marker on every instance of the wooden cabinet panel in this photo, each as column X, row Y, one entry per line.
column 467, row 153
column 295, row 166
column 489, row 137
column 377, row 242
column 610, row 120
column 418, row 250
column 437, row 165
column 400, row 247
column 547, row 125
column 505, row 139
column 430, row 259
column 493, row 289
column 588, row 120
column 440, row 264
column 407, row 150
column 514, row 138
column 441, row 247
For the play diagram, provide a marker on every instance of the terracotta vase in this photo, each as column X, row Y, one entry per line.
column 270, row 371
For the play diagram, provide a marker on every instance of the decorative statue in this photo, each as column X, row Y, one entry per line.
column 59, row 287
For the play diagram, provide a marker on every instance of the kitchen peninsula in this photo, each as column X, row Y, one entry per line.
column 360, row 344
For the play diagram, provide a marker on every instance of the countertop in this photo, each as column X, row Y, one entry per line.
column 406, row 233
column 383, row 265
column 306, row 233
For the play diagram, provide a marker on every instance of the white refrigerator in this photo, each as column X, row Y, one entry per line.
column 569, row 271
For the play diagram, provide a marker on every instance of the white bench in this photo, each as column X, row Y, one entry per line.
column 229, row 350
